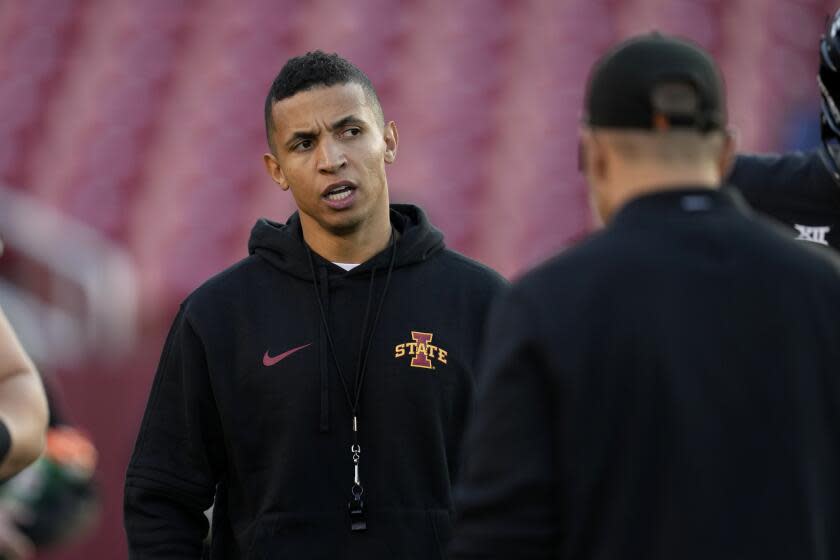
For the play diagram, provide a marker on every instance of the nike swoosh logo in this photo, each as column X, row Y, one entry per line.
column 269, row 361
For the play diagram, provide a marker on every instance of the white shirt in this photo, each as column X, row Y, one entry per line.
column 346, row 266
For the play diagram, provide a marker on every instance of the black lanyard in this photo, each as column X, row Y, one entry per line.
column 356, row 505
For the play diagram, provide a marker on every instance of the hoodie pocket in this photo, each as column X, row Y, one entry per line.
column 413, row 534
column 391, row 535
column 287, row 536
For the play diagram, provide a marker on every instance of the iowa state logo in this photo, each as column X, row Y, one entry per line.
column 422, row 351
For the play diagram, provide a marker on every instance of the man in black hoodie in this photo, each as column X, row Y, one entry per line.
column 668, row 388
column 802, row 190
column 317, row 389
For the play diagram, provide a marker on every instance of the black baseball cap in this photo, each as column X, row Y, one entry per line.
column 656, row 82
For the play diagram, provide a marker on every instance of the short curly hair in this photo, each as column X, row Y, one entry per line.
column 315, row 69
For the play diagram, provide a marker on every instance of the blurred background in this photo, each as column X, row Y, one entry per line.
column 131, row 138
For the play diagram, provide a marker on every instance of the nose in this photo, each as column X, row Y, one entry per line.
column 331, row 157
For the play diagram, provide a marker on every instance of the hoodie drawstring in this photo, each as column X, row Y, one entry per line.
column 323, row 359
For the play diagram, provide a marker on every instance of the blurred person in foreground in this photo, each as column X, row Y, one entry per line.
column 23, row 423
column 318, row 388
column 53, row 501
column 668, row 388
column 802, row 190
column 23, row 405
column 47, row 494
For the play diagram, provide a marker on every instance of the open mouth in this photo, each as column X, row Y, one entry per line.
column 339, row 192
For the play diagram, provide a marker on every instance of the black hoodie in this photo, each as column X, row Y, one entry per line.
column 248, row 397
column 796, row 189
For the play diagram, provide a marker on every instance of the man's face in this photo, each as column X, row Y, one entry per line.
column 331, row 151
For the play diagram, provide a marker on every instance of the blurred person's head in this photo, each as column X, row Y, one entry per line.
column 828, row 82
column 655, row 120
column 329, row 143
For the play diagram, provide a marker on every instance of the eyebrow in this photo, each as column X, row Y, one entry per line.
column 311, row 135
column 349, row 119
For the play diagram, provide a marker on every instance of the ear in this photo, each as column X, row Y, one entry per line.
column 274, row 171
column 593, row 160
column 595, row 167
column 392, row 138
column 727, row 153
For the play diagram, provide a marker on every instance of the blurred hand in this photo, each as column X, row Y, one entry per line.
column 14, row 545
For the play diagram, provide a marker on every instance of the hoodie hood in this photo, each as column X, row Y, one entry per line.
column 282, row 244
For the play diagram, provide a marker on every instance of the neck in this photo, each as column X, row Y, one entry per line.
column 642, row 182
column 354, row 247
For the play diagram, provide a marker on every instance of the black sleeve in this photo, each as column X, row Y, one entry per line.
column 177, row 459
column 505, row 501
